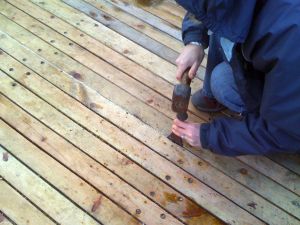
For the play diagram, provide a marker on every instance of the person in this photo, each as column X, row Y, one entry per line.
column 253, row 68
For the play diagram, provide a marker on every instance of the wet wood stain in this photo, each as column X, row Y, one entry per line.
column 141, row 26
column 97, row 203
column 296, row 203
column 5, row 156
column 196, row 215
column 134, row 221
column 148, row 2
column 126, row 161
column 205, row 219
column 171, row 197
column 192, row 210
column 83, row 94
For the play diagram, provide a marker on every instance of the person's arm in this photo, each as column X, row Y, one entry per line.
column 192, row 55
column 276, row 128
column 194, row 31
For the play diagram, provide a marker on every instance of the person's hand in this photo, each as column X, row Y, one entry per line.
column 187, row 131
column 191, row 56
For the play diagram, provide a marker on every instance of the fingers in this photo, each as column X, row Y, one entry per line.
column 189, row 131
column 181, row 124
column 179, row 72
column 178, row 130
column 191, row 56
column 193, row 70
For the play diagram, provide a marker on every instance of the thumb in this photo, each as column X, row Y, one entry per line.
column 193, row 70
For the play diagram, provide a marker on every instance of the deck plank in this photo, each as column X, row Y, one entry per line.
column 63, row 179
column 172, row 7
column 161, row 12
column 290, row 161
column 109, row 184
column 113, row 40
column 148, row 18
column 141, row 26
column 271, row 196
column 42, row 194
column 17, row 208
column 138, row 24
column 135, row 150
column 124, row 30
column 107, row 71
column 102, row 104
column 278, row 173
column 275, row 188
column 111, row 159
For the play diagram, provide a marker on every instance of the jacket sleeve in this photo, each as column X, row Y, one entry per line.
column 194, row 30
column 251, row 136
column 276, row 127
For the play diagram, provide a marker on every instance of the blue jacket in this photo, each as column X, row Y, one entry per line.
column 266, row 66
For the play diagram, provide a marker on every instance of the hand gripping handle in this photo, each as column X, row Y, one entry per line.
column 185, row 78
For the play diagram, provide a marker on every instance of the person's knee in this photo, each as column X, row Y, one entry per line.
column 220, row 77
column 224, row 89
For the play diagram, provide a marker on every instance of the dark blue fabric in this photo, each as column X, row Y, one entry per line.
column 194, row 30
column 266, row 67
column 227, row 17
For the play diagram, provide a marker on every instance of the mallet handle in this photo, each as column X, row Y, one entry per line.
column 185, row 78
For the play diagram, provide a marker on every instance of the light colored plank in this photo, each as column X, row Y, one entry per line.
column 108, row 183
column 115, row 41
column 173, row 8
column 275, row 192
column 290, row 161
column 138, row 24
column 133, row 105
column 111, row 39
column 165, row 196
column 282, row 175
column 147, row 158
column 63, row 179
column 42, row 194
column 129, row 84
column 148, row 18
column 126, row 31
column 122, row 63
column 160, row 12
column 16, row 207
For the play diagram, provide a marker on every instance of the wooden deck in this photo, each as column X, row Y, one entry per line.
column 85, row 110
